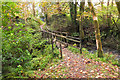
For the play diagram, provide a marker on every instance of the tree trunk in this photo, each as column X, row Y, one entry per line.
column 33, row 4
column 25, row 15
column 108, row 15
column 97, row 31
column 82, row 4
column 45, row 14
column 112, row 3
column 46, row 18
column 102, row 4
column 118, row 6
column 73, row 13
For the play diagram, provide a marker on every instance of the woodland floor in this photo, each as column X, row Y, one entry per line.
column 76, row 66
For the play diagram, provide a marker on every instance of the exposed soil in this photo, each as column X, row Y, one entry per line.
column 76, row 66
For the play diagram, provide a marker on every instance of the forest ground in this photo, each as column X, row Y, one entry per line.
column 77, row 66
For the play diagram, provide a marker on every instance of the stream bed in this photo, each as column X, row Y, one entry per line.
column 106, row 50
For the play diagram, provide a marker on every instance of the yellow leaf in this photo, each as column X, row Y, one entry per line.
column 74, row 44
column 7, row 14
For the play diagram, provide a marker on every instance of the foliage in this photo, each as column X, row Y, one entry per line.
column 52, row 8
column 25, row 51
column 32, row 24
column 43, row 58
column 59, row 21
column 108, row 58
column 19, row 57
column 13, row 51
column 20, row 45
column 9, row 11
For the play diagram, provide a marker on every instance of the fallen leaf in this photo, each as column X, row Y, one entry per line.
column 84, row 72
column 81, row 71
column 91, row 71
column 98, row 76
column 101, row 74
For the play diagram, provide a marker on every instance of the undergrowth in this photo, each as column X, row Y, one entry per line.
column 24, row 50
column 108, row 58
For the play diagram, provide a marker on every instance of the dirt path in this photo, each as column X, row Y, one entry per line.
column 74, row 63
column 76, row 66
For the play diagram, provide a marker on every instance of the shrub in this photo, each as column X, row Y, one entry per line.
column 107, row 57
column 16, row 45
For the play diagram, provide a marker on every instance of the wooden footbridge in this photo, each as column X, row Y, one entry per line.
column 61, row 37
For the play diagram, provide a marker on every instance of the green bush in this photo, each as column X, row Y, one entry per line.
column 16, row 45
column 44, row 57
column 33, row 24
column 23, row 48
column 107, row 57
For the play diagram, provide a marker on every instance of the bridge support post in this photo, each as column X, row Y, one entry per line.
column 60, row 51
column 55, row 40
column 52, row 43
column 49, row 38
column 80, row 46
column 66, row 39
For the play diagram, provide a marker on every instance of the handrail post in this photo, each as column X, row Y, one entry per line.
column 80, row 46
column 60, row 51
column 49, row 38
column 52, row 43
column 55, row 40
column 61, row 47
column 67, row 39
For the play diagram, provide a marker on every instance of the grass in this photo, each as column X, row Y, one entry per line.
column 108, row 58
column 47, row 71
column 106, row 67
column 43, row 62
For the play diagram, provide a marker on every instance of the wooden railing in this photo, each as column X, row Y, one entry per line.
column 56, row 34
column 62, row 35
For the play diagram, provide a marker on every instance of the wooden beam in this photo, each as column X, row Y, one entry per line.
column 62, row 36
column 57, row 31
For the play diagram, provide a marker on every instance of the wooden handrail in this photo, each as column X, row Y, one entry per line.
column 61, row 41
column 58, row 32
column 62, row 36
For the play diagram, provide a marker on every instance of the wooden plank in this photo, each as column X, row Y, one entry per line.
column 57, row 31
column 66, row 39
column 61, row 42
column 63, row 32
column 63, row 37
column 73, row 37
